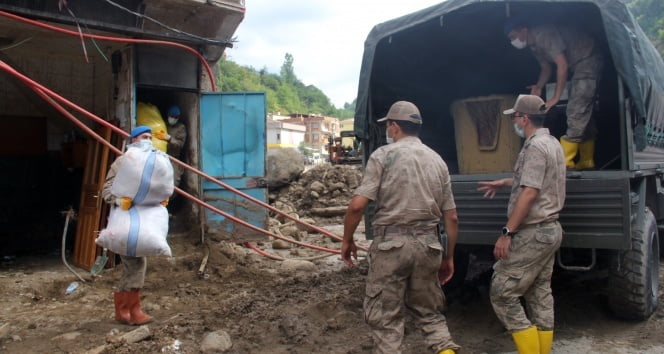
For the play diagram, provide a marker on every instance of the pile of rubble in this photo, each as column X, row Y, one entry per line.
column 319, row 196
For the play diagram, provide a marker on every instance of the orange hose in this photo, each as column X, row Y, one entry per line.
column 116, row 39
column 33, row 84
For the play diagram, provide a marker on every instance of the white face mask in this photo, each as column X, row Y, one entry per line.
column 389, row 139
column 519, row 131
column 519, row 44
column 144, row 144
column 172, row 120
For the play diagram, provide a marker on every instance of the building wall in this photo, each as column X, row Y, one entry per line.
column 318, row 130
column 284, row 135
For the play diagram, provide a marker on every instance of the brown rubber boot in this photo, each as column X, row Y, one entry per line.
column 134, row 303
column 121, row 307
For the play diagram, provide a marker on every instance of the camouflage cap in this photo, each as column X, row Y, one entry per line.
column 528, row 104
column 403, row 110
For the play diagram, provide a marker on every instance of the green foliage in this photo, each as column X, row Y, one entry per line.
column 284, row 92
column 650, row 15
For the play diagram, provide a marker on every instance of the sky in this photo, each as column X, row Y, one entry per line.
column 325, row 37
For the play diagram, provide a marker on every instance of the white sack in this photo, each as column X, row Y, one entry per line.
column 145, row 176
column 139, row 232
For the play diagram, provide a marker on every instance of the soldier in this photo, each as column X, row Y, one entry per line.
column 529, row 240
column 410, row 184
column 572, row 51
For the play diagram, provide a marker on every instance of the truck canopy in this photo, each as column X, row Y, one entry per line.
column 457, row 49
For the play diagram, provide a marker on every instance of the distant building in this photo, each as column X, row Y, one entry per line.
column 282, row 134
column 318, row 129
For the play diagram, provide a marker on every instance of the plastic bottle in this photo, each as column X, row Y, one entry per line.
column 70, row 289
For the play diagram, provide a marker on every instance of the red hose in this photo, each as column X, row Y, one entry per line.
column 116, row 39
column 263, row 253
column 34, row 85
column 92, row 133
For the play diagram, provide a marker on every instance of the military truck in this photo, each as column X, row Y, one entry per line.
column 454, row 62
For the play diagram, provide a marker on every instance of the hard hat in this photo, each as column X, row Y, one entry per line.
column 140, row 130
column 174, row 111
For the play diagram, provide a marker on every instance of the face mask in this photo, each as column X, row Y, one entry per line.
column 145, row 144
column 519, row 44
column 172, row 120
column 519, row 132
column 389, row 139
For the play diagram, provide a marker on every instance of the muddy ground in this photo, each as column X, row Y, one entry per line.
column 266, row 307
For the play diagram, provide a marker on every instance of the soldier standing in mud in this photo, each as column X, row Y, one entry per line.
column 527, row 244
column 410, row 184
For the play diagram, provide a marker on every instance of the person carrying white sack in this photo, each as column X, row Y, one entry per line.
column 134, row 264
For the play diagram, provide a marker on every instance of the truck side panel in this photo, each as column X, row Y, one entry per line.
column 593, row 215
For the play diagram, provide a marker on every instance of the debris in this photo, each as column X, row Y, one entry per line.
column 70, row 289
column 137, row 335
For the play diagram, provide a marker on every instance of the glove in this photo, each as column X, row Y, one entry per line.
column 124, row 203
column 162, row 135
column 164, row 203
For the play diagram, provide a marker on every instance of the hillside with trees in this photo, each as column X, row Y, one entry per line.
column 285, row 93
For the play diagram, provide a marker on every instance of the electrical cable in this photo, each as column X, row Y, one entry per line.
column 137, row 14
column 118, row 40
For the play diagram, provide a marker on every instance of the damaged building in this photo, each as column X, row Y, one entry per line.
column 50, row 164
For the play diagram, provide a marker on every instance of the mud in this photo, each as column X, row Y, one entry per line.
column 266, row 307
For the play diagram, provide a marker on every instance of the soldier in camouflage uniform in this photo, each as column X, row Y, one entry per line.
column 526, row 247
column 411, row 187
column 572, row 51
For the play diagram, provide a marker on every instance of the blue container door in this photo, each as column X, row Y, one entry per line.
column 233, row 145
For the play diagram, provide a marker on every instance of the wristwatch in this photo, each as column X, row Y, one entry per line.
column 506, row 232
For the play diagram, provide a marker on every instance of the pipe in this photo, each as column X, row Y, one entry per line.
column 42, row 91
column 116, row 39
column 183, row 193
column 69, row 214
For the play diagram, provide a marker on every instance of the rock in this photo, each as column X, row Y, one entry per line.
column 215, row 342
column 309, row 221
column 317, row 187
column 291, row 231
column 281, row 245
column 296, row 265
column 96, row 350
column 17, row 338
column 283, row 166
column 137, row 335
column 331, row 211
column 67, row 336
column 4, row 330
column 337, row 186
column 314, row 195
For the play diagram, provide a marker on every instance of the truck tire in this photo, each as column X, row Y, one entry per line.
column 461, row 264
column 634, row 274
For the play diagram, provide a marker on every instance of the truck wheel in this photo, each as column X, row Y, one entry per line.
column 634, row 274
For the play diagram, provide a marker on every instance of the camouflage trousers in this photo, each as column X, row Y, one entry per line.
column 133, row 273
column 580, row 122
column 403, row 273
column 527, row 272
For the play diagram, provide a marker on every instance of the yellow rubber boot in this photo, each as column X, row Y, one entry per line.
column 586, row 155
column 447, row 351
column 545, row 341
column 527, row 341
column 570, row 149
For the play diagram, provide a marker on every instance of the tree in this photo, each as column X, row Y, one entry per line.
column 287, row 70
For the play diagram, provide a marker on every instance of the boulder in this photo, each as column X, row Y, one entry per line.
column 283, row 167
column 216, row 342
